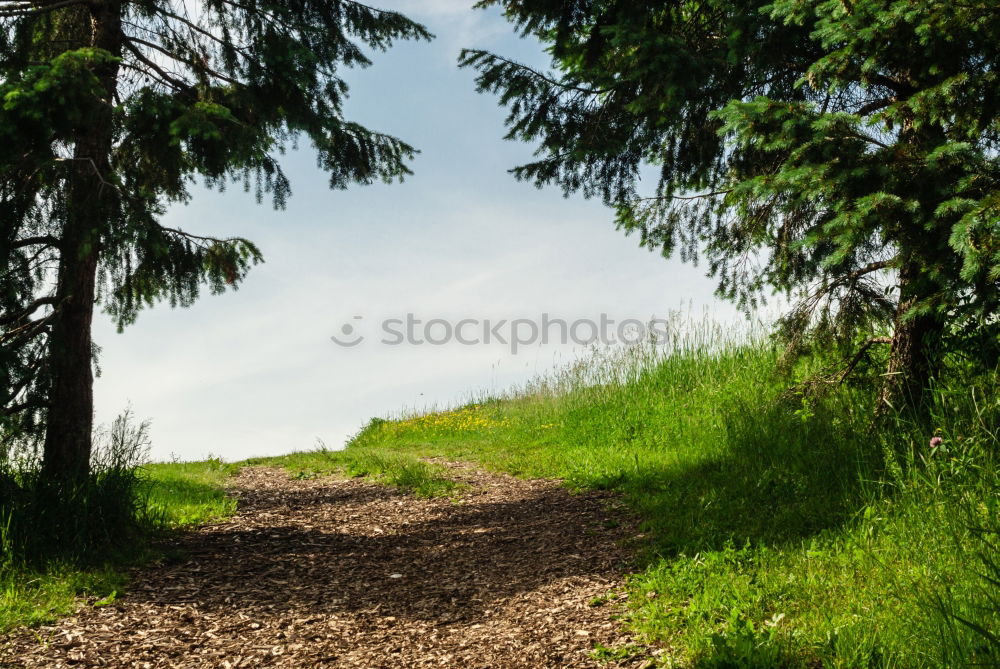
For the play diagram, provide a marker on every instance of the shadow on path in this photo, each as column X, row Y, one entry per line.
column 345, row 573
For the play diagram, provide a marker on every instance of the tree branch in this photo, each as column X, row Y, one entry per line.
column 33, row 8
column 24, row 334
column 18, row 387
column 851, row 277
column 866, row 138
column 196, row 28
column 167, row 78
column 549, row 80
column 157, row 78
column 254, row 10
column 867, row 269
column 857, row 356
column 200, row 238
column 97, row 170
column 16, row 408
column 203, row 66
column 900, row 88
column 45, row 240
column 28, row 310
column 874, row 106
column 688, row 197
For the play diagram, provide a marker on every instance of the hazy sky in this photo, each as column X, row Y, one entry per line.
column 255, row 372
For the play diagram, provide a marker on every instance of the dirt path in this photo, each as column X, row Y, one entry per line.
column 344, row 573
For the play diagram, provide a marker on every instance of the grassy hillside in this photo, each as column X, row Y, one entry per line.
column 782, row 528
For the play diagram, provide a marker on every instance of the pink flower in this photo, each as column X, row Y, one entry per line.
column 936, row 441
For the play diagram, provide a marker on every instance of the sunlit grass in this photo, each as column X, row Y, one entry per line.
column 783, row 530
column 399, row 470
column 183, row 494
column 173, row 496
column 780, row 528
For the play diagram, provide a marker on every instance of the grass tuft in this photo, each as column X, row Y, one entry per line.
column 61, row 550
column 399, row 470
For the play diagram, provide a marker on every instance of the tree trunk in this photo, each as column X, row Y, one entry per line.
column 90, row 203
column 70, row 417
column 913, row 352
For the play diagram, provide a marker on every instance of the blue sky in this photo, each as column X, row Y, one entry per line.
column 254, row 372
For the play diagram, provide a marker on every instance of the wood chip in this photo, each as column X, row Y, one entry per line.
column 297, row 578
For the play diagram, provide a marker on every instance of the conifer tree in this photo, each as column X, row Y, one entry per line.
column 842, row 152
column 109, row 111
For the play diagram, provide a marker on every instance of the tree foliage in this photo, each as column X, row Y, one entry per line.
column 110, row 110
column 841, row 152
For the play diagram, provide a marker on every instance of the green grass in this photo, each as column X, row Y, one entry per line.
column 783, row 529
column 185, row 494
column 399, row 470
column 172, row 497
column 33, row 597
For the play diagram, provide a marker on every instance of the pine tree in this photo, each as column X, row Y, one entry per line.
column 840, row 152
column 109, row 112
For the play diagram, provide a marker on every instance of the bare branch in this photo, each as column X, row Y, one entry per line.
column 93, row 164
column 857, row 356
column 198, row 29
column 255, row 10
column 28, row 310
column 45, row 240
column 851, row 277
column 15, row 391
column 874, row 106
column 18, row 337
column 157, row 77
column 888, row 82
column 173, row 56
column 16, row 408
column 688, row 197
column 199, row 238
column 176, row 83
column 866, row 138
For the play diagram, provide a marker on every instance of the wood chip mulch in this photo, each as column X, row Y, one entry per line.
column 338, row 572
